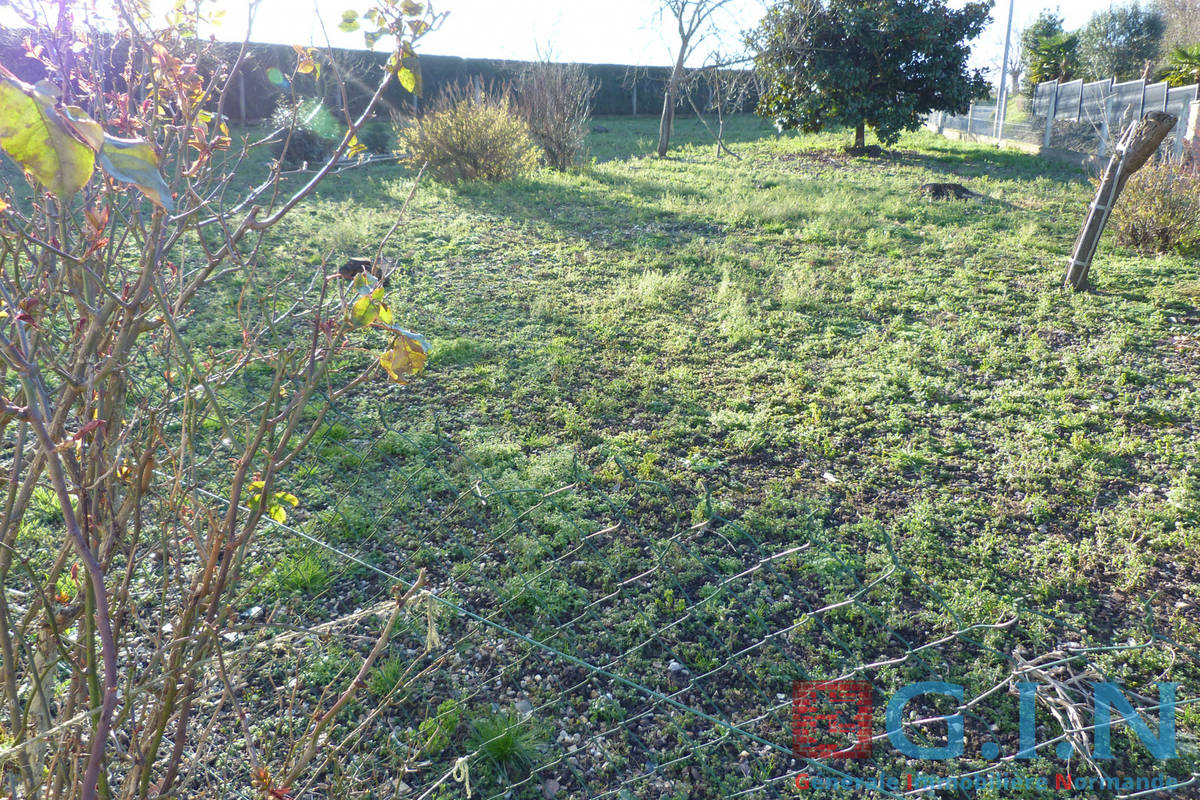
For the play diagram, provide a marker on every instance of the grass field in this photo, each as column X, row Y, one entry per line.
column 807, row 421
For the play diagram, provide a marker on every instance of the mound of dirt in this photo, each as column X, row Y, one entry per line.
column 946, row 191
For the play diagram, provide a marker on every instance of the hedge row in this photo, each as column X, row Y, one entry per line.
column 623, row 89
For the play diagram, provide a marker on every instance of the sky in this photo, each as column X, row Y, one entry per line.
column 600, row 31
column 597, row 31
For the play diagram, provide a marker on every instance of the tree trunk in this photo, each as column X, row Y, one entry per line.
column 668, row 112
column 667, row 119
column 1136, row 147
column 860, row 135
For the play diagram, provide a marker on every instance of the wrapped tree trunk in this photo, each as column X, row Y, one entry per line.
column 1136, row 147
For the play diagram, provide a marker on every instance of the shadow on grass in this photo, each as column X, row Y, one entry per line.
column 627, row 213
column 631, row 137
column 974, row 161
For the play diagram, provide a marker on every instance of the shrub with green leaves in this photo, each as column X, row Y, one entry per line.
column 1183, row 66
column 301, row 139
column 434, row 734
column 468, row 137
column 376, row 137
column 1159, row 211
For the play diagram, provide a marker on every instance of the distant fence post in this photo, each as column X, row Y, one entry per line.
column 970, row 117
column 1191, row 134
column 1051, row 110
column 1106, row 126
column 1142, row 104
column 1001, row 113
column 635, row 83
column 241, row 96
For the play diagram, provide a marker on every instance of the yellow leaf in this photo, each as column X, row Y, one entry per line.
column 405, row 357
column 134, row 161
column 408, row 79
column 39, row 138
column 86, row 128
column 365, row 310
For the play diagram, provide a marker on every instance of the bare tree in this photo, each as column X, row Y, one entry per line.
column 1016, row 66
column 723, row 86
column 1183, row 23
column 693, row 22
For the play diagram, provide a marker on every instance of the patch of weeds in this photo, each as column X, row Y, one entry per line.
column 462, row 350
column 330, row 670
column 385, row 676
column 44, row 508
column 346, row 522
column 506, row 747
column 435, row 733
column 303, row 573
column 656, row 289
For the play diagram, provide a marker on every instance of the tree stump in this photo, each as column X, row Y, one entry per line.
column 1137, row 145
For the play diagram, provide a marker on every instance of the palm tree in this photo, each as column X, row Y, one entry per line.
column 1054, row 58
column 1183, row 66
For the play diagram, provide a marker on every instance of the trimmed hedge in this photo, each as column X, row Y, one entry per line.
column 255, row 97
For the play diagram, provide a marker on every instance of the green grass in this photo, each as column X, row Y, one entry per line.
column 507, row 746
column 799, row 347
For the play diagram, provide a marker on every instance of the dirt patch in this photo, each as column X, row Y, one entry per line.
column 946, row 191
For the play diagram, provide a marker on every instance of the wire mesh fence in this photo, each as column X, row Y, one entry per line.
column 635, row 641
column 1079, row 117
column 592, row 633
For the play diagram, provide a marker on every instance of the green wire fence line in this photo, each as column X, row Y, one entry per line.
column 474, row 501
column 595, row 580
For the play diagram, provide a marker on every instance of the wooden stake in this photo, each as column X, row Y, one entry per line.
column 1136, row 147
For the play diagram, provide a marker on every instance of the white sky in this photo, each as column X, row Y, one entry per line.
column 603, row 31
column 599, row 31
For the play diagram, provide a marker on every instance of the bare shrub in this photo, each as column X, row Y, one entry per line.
column 140, row 487
column 556, row 101
column 1159, row 210
column 469, row 135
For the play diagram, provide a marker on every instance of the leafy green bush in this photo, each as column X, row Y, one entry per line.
column 465, row 137
column 1159, row 211
column 376, row 137
column 305, row 142
column 1183, row 66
